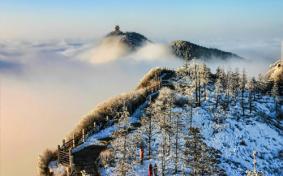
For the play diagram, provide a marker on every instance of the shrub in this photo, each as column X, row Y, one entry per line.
column 148, row 79
column 44, row 159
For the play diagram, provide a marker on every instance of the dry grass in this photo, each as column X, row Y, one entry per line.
column 150, row 77
column 110, row 108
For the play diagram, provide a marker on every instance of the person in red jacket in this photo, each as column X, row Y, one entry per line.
column 141, row 154
column 150, row 170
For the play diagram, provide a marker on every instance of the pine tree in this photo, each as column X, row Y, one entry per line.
column 123, row 149
column 228, row 88
column 148, row 130
column 251, row 87
column 123, row 157
column 200, row 158
column 275, row 94
column 162, row 152
column 234, row 83
column 196, row 77
column 177, row 135
column 243, row 83
column 193, row 151
column 262, row 83
column 204, row 78
column 219, row 84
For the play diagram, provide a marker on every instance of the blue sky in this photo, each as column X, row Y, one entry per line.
column 162, row 19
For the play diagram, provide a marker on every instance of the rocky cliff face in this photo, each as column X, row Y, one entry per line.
column 188, row 50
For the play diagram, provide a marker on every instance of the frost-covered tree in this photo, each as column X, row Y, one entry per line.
column 200, row 158
column 163, row 115
column 275, row 94
column 262, row 84
column 220, row 84
column 189, row 109
column 162, row 152
column 177, row 131
column 243, row 82
column 193, row 149
column 228, row 89
column 196, row 82
column 148, row 130
column 234, row 83
column 254, row 172
column 218, row 120
column 122, row 147
column 252, row 91
column 204, row 73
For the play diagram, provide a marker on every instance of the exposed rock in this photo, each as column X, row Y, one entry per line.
column 275, row 72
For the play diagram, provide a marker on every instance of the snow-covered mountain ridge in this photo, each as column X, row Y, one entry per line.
column 202, row 124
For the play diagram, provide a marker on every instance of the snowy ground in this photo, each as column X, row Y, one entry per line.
column 236, row 137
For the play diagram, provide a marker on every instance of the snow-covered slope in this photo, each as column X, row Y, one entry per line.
column 234, row 137
column 181, row 136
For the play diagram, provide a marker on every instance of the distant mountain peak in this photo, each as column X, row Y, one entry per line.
column 188, row 50
column 132, row 39
column 180, row 48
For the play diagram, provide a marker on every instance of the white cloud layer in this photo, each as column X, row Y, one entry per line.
column 71, row 77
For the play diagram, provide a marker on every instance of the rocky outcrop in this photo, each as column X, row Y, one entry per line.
column 275, row 72
column 132, row 40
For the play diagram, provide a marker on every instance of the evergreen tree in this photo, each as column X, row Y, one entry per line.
column 122, row 147
column 220, row 84
column 148, row 130
column 234, row 83
column 177, row 135
column 275, row 94
column 262, row 84
column 251, row 87
column 200, row 158
column 243, row 83
column 204, row 78
column 162, row 152
column 228, row 88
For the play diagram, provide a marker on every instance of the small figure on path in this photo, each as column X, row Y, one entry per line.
column 150, row 170
column 155, row 170
column 141, row 154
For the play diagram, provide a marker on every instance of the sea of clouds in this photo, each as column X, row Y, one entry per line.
column 43, row 83
column 69, row 58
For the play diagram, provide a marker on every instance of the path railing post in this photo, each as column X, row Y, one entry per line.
column 74, row 144
column 58, row 154
column 83, row 133
column 71, row 161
